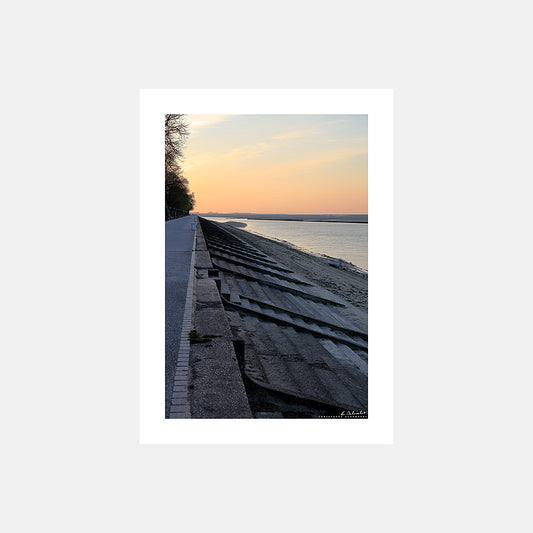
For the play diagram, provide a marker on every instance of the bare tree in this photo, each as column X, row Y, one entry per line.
column 176, row 132
column 177, row 194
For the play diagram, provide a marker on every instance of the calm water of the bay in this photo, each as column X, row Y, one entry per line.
column 335, row 239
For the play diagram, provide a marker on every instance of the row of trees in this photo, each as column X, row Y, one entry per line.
column 177, row 193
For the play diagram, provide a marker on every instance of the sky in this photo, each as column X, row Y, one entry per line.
column 291, row 164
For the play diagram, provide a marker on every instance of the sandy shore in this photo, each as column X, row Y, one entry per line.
column 351, row 285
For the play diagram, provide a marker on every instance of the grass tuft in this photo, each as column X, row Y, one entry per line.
column 194, row 338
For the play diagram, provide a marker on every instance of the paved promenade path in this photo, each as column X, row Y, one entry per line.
column 179, row 242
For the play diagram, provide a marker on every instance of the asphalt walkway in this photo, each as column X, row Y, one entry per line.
column 179, row 242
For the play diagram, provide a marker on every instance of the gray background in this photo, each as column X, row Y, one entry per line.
column 69, row 213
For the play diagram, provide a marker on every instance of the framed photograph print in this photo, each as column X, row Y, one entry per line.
column 266, row 266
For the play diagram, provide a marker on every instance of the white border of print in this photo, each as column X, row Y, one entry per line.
column 378, row 104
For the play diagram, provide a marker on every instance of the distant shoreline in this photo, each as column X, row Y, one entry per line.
column 301, row 220
column 349, row 219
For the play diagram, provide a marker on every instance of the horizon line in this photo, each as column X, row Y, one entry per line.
column 270, row 213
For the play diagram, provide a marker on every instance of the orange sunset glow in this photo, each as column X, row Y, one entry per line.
column 291, row 164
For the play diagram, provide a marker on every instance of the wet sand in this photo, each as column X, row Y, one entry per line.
column 350, row 284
